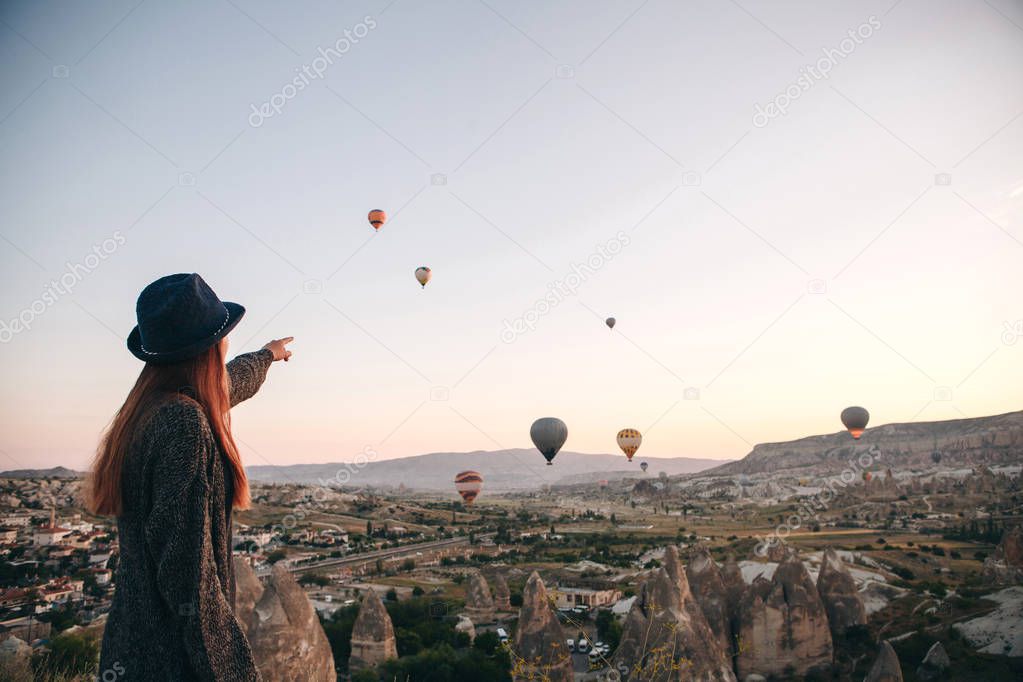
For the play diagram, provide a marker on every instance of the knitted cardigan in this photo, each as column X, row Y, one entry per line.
column 172, row 616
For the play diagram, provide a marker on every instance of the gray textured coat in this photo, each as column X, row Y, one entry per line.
column 172, row 617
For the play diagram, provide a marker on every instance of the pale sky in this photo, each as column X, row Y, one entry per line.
column 864, row 247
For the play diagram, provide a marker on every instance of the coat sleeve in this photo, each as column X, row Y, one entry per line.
column 179, row 539
column 247, row 373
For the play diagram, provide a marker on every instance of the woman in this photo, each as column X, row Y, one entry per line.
column 170, row 471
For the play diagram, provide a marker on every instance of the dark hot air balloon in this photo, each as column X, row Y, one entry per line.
column 548, row 434
column 377, row 218
column 936, row 457
column 468, row 484
column 643, row 466
column 610, row 322
column 855, row 419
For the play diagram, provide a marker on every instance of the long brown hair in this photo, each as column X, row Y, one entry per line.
column 206, row 381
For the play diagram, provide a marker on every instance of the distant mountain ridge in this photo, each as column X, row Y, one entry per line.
column 513, row 469
column 996, row 439
column 53, row 472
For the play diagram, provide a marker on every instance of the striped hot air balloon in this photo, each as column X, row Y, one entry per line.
column 629, row 441
column 377, row 218
column 468, row 484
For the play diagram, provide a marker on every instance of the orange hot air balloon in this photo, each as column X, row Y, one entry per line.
column 629, row 441
column 377, row 218
column 468, row 484
column 602, row 483
column 855, row 420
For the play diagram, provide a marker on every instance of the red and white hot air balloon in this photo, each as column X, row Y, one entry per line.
column 468, row 484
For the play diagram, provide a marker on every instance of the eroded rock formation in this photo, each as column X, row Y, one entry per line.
column 479, row 603
column 782, row 624
column 934, row 664
column 886, row 666
column 709, row 589
column 666, row 637
column 499, row 588
column 1005, row 565
column 372, row 635
column 838, row 592
column 285, row 634
column 540, row 652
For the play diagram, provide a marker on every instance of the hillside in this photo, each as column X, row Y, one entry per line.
column 55, row 472
column 962, row 442
column 514, row 469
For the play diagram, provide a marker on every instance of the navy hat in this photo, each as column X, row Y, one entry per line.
column 179, row 317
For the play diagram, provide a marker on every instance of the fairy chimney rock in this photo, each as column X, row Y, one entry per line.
column 666, row 636
column 886, row 666
column 502, row 595
column 479, row 604
column 540, row 651
column 708, row 588
column 372, row 635
column 286, row 637
column 935, row 663
column 838, row 592
column 783, row 624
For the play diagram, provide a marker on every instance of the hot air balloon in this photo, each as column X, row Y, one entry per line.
column 468, row 484
column 377, row 218
column 629, row 441
column 643, row 466
column 867, row 476
column 423, row 275
column 602, row 483
column 855, row 419
column 936, row 457
column 610, row 322
column 548, row 434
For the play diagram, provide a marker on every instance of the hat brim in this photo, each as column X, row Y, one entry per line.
column 235, row 313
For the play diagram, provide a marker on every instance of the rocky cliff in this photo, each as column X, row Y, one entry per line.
column 539, row 652
column 783, row 624
column 372, row 635
column 666, row 637
column 983, row 440
column 838, row 592
column 285, row 634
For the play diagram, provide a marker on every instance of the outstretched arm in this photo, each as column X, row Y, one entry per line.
column 247, row 372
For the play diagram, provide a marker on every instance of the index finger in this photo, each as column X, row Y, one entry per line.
column 287, row 339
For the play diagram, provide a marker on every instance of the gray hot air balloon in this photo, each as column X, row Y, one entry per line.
column 548, row 434
column 855, row 419
column 643, row 466
column 610, row 322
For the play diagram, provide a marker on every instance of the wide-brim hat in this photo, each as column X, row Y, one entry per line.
column 179, row 317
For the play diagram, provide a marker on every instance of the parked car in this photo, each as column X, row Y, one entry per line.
column 583, row 646
column 502, row 634
column 570, row 643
